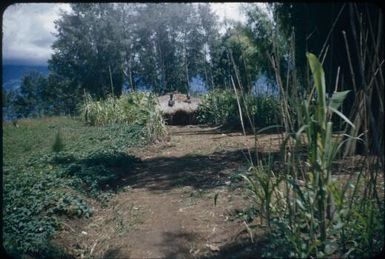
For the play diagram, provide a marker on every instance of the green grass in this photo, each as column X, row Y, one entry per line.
column 42, row 186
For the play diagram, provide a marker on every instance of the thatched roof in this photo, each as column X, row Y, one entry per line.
column 181, row 104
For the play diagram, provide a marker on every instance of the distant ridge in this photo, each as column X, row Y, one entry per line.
column 12, row 74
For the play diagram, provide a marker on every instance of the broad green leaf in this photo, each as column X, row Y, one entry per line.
column 328, row 141
column 337, row 99
column 342, row 116
column 330, row 249
column 300, row 204
column 338, row 226
column 319, row 79
column 299, row 132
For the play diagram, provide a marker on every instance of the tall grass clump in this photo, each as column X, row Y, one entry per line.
column 219, row 107
column 136, row 109
column 308, row 212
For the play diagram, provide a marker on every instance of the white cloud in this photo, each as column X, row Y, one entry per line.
column 233, row 11
column 228, row 11
column 27, row 32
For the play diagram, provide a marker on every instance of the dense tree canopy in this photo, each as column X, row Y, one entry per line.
column 161, row 46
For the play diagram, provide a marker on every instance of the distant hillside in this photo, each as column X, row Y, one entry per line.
column 12, row 74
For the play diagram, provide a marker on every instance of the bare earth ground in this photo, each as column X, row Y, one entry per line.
column 166, row 208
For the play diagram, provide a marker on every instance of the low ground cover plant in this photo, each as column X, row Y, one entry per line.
column 42, row 185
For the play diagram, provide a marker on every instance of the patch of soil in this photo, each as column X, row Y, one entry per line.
column 166, row 206
column 166, row 209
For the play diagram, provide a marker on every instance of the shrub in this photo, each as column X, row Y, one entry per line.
column 219, row 107
column 135, row 108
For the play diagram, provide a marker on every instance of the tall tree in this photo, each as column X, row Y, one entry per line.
column 157, row 46
column 32, row 99
column 87, row 50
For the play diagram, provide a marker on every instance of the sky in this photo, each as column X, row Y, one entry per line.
column 28, row 29
column 27, row 32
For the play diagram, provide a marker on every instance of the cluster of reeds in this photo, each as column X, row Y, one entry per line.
column 136, row 108
column 310, row 206
column 306, row 210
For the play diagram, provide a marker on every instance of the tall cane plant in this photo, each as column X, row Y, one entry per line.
column 322, row 149
column 307, row 215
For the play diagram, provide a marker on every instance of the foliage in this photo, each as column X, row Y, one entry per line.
column 33, row 98
column 88, row 50
column 219, row 107
column 335, row 31
column 242, row 51
column 99, row 171
column 44, row 186
column 319, row 25
column 160, row 46
column 136, row 108
column 249, row 44
column 321, row 152
column 300, row 218
column 103, row 48
column 40, row 96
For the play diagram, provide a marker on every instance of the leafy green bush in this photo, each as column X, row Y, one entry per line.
column 135, row 108
column 219, row 107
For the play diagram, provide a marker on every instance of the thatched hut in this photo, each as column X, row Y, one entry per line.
column 178, row 109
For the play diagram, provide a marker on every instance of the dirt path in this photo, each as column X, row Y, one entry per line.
column 166, row 208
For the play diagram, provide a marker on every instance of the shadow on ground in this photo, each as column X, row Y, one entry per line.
column 181, row 248
column 181, row 244
column 197, row 171
column 112, row 170
column 242, row 248
column 114, row 253
column 99, row 171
